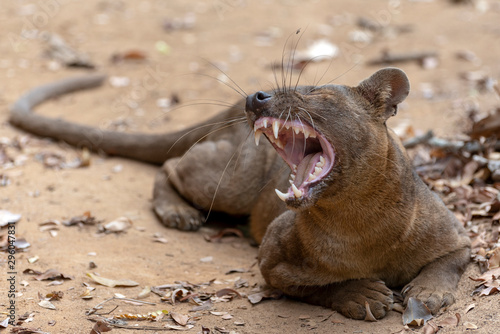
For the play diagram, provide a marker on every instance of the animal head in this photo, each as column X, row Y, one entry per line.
column 331, row 136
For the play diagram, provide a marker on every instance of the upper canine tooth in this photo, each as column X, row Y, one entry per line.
column 296, row 191
column 257, row 137
column 276, row 129
column 281, row 195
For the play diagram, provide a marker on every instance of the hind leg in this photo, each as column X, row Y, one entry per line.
column 172, row 210
column 214, row 175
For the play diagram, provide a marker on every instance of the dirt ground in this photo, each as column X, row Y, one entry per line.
column 181, row 40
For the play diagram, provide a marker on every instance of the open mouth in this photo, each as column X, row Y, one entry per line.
column 307, row 152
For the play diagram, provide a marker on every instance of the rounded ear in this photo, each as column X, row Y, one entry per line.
column 385, row 89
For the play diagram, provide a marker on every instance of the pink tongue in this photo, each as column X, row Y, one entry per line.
column 305, row 167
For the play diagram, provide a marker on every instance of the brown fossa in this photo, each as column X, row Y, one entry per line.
column 331, row 194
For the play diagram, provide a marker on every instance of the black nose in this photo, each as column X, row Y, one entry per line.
column 257, row 101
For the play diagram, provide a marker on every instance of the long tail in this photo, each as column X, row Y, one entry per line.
column 152, row 148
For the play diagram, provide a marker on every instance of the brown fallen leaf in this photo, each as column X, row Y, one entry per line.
column 228, row 292
column 416, row 313
column 100, row 327
column 50, row 274
column 85, row 219
column 450, row 321
column 430, row 328
column 111, row 282
column 489, row 291
column 180, row 319
column 266, row 294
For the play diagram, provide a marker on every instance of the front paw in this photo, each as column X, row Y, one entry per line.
column 183, row 218
column 434, row 297
column 353, row 295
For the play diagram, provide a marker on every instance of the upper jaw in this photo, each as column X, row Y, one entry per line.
column 308, row 153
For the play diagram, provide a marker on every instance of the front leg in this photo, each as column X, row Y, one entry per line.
column 285, row 266
column 436, row 282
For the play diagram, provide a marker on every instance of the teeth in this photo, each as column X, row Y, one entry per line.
column 276, row 128
column 294, row 167
column 297, row 130
column 257, row 137
column 321, row 161
column 292, row 176
column 281, row 195
column 265, row 123
column 317, row 170
column 311, row 177
column 296, row 192
column 291, row 181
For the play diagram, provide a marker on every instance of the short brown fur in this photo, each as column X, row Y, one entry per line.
column 371, row 223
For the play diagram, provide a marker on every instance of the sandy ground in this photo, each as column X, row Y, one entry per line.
column 243, row 38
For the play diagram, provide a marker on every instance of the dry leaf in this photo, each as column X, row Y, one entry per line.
column 100, row 327
column 450, row 321
column 110, row 282
column 178, row 327
column 120, row 224
column 470, row 307
column 4, row 323
column 179, row 318
column 416, row 313
column 266, row 294
column 85, row 219
column 50, row 274
column 218, row 313
column 7, row 217
column 47, row 304
column 228, row 292
column 144, row 293
column 470, row 325
column 430, row 328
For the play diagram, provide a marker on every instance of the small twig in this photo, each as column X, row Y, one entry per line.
column 141, row 328
column 391, row 58
column 107, row 312
column 98, row 306
column 417, row 140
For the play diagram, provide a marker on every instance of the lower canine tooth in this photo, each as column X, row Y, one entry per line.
column 281, row 195
column 296, row 191
column 257, row 137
